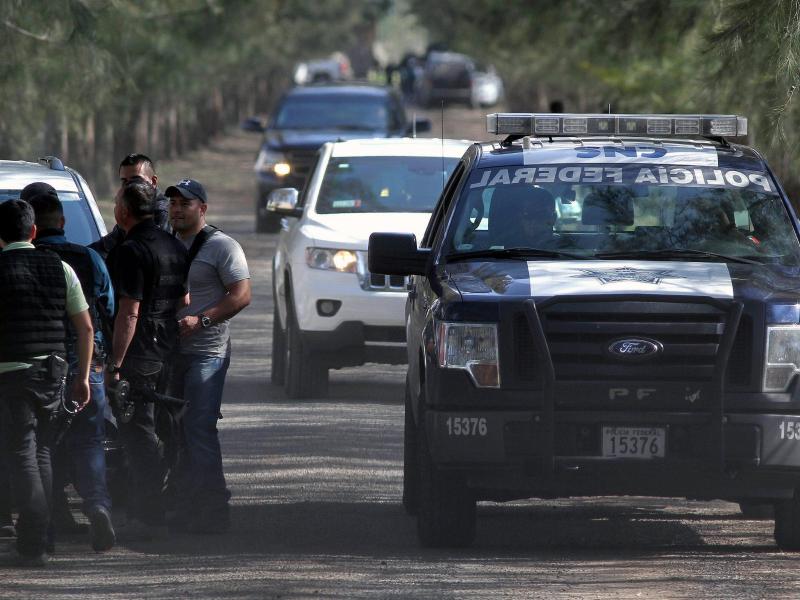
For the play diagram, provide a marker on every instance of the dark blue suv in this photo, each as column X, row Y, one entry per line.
column 602, row 305
column 307, row 117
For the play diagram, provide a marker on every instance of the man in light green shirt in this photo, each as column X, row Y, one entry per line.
column 76, row 303
column 39, row 292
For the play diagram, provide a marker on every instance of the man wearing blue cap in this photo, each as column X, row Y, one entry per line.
column 219, row 287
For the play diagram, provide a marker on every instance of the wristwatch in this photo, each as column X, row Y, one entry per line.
column 205, row 321
column 112, row 369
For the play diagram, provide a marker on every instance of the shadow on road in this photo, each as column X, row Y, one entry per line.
column 383, row 531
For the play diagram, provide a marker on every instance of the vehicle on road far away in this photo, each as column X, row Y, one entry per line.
column 454, row 77
column 330, row 310
column 307, row 117
column 645, row 342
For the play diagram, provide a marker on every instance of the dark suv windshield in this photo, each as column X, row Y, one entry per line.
column 603, row 211
column 335, row 111
column 365, row 184
column 80, row 227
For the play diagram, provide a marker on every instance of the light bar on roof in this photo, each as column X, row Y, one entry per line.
column 563, row 124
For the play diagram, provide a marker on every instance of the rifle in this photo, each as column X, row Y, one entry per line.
column 119, row 396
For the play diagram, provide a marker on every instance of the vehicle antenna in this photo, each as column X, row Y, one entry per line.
column 609, row 108
column 444, row 174
column 414, row 124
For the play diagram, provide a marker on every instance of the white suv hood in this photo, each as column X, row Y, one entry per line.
column 353, row 230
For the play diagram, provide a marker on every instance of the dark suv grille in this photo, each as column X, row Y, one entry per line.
column 579, row 335
column 301, row 162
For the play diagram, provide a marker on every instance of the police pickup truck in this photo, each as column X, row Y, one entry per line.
column 602, row 305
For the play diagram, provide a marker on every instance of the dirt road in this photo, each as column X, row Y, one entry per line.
column 316, row 492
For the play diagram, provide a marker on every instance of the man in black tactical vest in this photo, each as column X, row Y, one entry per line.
column 149, row 272
column 83, row 444
column 39, row 291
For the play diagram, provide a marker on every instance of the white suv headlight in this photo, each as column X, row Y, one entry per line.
column 782, row 358
column 331, row 259
column 471, row 347
column 272, row 162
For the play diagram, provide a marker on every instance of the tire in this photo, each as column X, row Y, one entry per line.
column 787, row 524
column 278, row 368
column 304, row 377
column 754, row 510
column 410, row 466
column 446, row 509
column 271, row 223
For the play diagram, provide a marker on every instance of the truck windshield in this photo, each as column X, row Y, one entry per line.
column 334, row 111
column 603, row 211
column 375, row 184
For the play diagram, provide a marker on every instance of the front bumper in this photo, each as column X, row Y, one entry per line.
column 373, row 307
column 753, row 459
column 367, row 327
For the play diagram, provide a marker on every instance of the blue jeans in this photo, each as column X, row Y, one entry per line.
column 199, row 380
column 84, row 445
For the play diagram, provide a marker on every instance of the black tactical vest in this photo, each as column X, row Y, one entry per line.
column 78, row 258
column 33, row 302
column 165, row 266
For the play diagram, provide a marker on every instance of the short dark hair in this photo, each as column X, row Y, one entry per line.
column 16, row 219
column 140, row 198
column 48, row 210
column 135, row 159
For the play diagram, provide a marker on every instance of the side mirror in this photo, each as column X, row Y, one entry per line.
column 419, row 125
column 283, row 201
column 396, row 254
column 253, row 125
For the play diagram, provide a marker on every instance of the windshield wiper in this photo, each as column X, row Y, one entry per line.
column 354, row 127
column 521, row 252
column 675, row 252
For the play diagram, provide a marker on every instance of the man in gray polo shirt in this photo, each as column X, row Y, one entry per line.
column 219, row 287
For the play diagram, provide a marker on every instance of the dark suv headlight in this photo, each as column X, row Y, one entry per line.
column 271, row 162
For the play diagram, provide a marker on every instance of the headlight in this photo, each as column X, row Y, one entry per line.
column 272, row 162
column 783, row 357
column 471, row 347
column 330, row 259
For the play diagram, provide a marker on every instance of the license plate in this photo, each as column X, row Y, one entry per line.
column 634, row 442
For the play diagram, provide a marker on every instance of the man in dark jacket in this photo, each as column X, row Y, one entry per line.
column 135, row 167
column 39, row 291
column 84, row 441
column 149, row 273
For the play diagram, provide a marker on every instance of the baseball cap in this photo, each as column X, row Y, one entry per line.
column 188, row 188
column 37, row 188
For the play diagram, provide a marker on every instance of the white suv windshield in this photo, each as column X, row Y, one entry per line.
column 380, row 184
column 590, row 211
column 80, row 227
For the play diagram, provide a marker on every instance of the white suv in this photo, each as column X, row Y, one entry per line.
column 330, row 311
column 84, row 223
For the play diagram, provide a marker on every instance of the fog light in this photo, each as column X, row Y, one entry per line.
column 328, row 308
column 282, row 169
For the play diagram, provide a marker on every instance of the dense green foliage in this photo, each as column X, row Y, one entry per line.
column 682, row 56
column 92, row 80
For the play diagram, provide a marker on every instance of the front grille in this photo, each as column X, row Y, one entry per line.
column 301, row 162
column 579, row 335
column 377, row 281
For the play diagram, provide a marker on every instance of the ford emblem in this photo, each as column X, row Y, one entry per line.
column 634, row 348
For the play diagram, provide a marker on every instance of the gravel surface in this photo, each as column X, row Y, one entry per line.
column 316, row 491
